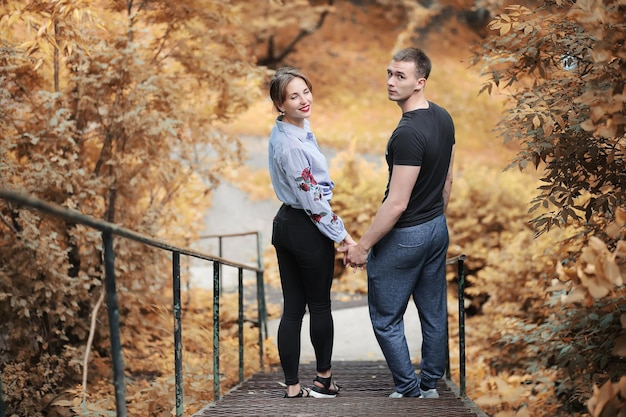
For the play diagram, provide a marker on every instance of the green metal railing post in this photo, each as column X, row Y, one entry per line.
column 460, row 264
column 216, row 330
column 261, row 300
column 259, row 279
column 261, row 289
column 448, row 372
column 461, row 274
column 178, row 335
column 114, row 325
column 241, row 340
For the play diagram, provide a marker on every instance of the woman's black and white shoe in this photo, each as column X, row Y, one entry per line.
column 324, row 387
column 304, row 392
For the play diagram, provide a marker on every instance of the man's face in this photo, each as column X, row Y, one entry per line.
column 402, row 80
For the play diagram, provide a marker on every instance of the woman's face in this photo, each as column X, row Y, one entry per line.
column 297, row 104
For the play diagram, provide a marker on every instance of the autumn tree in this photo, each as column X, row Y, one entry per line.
column 279, row 28
column 103, row 99
column 562, row 65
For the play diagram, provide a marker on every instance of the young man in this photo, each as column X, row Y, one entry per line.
column 405, row 247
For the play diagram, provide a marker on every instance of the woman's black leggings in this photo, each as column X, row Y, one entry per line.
column 306, row 265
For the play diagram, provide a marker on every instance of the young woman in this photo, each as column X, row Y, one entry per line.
column 304, row 233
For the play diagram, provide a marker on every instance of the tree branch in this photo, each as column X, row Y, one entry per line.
column 270, row 60
column 92, row 331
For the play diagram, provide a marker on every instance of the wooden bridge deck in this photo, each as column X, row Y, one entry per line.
column 366, row 386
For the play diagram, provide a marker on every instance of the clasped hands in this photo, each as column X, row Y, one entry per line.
column 354, row 254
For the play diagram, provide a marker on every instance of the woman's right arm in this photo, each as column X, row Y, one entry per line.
column 309, row 194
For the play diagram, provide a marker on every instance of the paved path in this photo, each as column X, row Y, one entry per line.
column 354, row 337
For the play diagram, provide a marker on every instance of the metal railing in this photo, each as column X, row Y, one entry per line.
column 260, row 292
column 460, row 264
column 109, row 230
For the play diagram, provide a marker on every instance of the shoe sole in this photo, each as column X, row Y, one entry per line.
column 316, row 394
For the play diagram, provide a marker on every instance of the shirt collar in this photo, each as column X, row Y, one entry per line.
column 288, row 128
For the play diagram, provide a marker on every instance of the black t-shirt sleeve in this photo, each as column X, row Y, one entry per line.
column 407, row 147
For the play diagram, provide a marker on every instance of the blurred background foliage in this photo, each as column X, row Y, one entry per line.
column 134, row 111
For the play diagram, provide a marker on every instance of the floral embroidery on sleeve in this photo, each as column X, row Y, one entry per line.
column 316, row 217
column 307, row 183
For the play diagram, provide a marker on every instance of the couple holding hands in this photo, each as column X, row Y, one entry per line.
column 403, row 250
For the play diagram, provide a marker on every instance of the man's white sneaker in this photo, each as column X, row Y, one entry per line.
column 431, row 393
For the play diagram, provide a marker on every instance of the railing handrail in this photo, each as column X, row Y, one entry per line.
column 74, row 216
column 229, row 235
column 109, row 229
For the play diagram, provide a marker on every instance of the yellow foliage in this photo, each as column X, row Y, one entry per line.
column 599, row 271
column 112, row 112
column 138, row 108
column 608, row 400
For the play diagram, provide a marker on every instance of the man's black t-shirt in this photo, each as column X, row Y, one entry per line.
column 424, row 138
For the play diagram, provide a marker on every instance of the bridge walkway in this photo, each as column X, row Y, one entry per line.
column 366, row 386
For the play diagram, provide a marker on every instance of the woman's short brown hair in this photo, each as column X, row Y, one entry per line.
column 279, row 82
